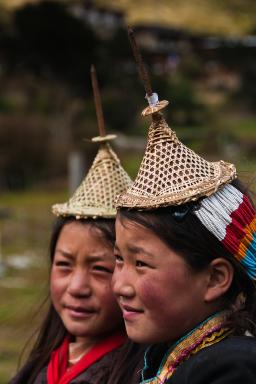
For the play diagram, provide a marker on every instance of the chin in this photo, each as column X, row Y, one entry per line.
column 137, row 337
column 144, row 337
column 77, row 329
column 78, row 332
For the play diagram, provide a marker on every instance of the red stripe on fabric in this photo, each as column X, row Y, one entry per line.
column 58, row 363
column 94, row 354
column 235, row 230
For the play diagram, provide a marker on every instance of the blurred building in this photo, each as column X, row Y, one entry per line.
column 103, row 20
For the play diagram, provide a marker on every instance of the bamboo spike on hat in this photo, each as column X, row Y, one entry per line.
column 96, row 195
column 170, row 172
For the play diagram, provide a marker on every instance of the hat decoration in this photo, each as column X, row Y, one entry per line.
column 106, row 178
column 229, row 215
column 171, row 174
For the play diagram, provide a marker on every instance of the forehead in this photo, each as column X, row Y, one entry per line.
column 76, row 228
column 82, row 236
column 135, row 241
column 127, row 229
column 131, row 235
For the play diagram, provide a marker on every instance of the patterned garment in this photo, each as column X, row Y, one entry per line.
column 209, row 332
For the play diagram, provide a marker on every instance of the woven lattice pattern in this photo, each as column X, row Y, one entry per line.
column 171, row 173
column 96, row 195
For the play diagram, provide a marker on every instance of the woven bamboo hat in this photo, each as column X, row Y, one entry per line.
column 96, row 195
column 170, row 172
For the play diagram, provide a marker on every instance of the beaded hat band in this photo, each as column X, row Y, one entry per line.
column 229, row 215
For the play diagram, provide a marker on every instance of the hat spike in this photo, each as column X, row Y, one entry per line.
column 103, row 137
column 97, row 102
column 154, row 104
column 140, row 64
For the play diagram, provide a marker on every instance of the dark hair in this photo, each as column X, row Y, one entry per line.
column 183, row 232
column 52, row 331
column 126, row 369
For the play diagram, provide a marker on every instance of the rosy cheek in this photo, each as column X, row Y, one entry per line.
column 149, row 294
column 56, row 287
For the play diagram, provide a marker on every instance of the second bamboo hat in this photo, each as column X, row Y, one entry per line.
column 96, row 195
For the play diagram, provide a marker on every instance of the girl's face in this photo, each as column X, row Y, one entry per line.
column 80, row 282
column 161, row 298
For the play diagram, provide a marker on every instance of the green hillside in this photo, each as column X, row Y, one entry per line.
column 226, row 17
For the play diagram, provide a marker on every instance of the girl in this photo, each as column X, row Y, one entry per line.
column 186, row 265
column 81, row 338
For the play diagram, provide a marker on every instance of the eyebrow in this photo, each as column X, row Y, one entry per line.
column 89, row 258
column 134, row 249
column 66, row 254
column 92, row 259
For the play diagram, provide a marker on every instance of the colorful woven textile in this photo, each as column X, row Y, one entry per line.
column 230, row 216
column 211, row 331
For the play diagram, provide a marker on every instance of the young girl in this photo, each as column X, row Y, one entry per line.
column 83, row 318
column 186, row 265
column 82, row 337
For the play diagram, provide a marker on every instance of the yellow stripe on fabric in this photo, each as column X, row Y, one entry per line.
column 182, row 351
column 245, row 243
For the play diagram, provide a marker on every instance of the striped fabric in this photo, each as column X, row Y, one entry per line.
column 229, row 215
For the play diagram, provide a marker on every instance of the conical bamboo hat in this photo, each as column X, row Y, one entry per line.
column 106, row 179
column 170, row 172
column 96, row 195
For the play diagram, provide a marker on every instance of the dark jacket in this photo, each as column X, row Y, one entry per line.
column 97, row 373
column 230, row 361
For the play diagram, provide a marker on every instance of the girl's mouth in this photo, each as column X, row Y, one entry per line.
column 79, row 311
column 130, row 313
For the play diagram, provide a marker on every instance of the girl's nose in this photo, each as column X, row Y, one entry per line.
column 79, row 284
column 122, row 283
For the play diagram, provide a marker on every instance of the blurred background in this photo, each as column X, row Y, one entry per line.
column 201, row 56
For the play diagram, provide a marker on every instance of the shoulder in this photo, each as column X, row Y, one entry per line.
column 233, row 344
column 24, row 374
column 232, row 360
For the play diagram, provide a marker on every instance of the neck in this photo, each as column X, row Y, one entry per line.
column 79, row 348
column 81, row 345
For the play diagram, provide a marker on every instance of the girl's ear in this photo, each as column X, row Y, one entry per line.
column 220, row 277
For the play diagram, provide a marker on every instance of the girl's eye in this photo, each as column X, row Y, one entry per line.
column 101, row 268
column 62, row 264
column 141, row 264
